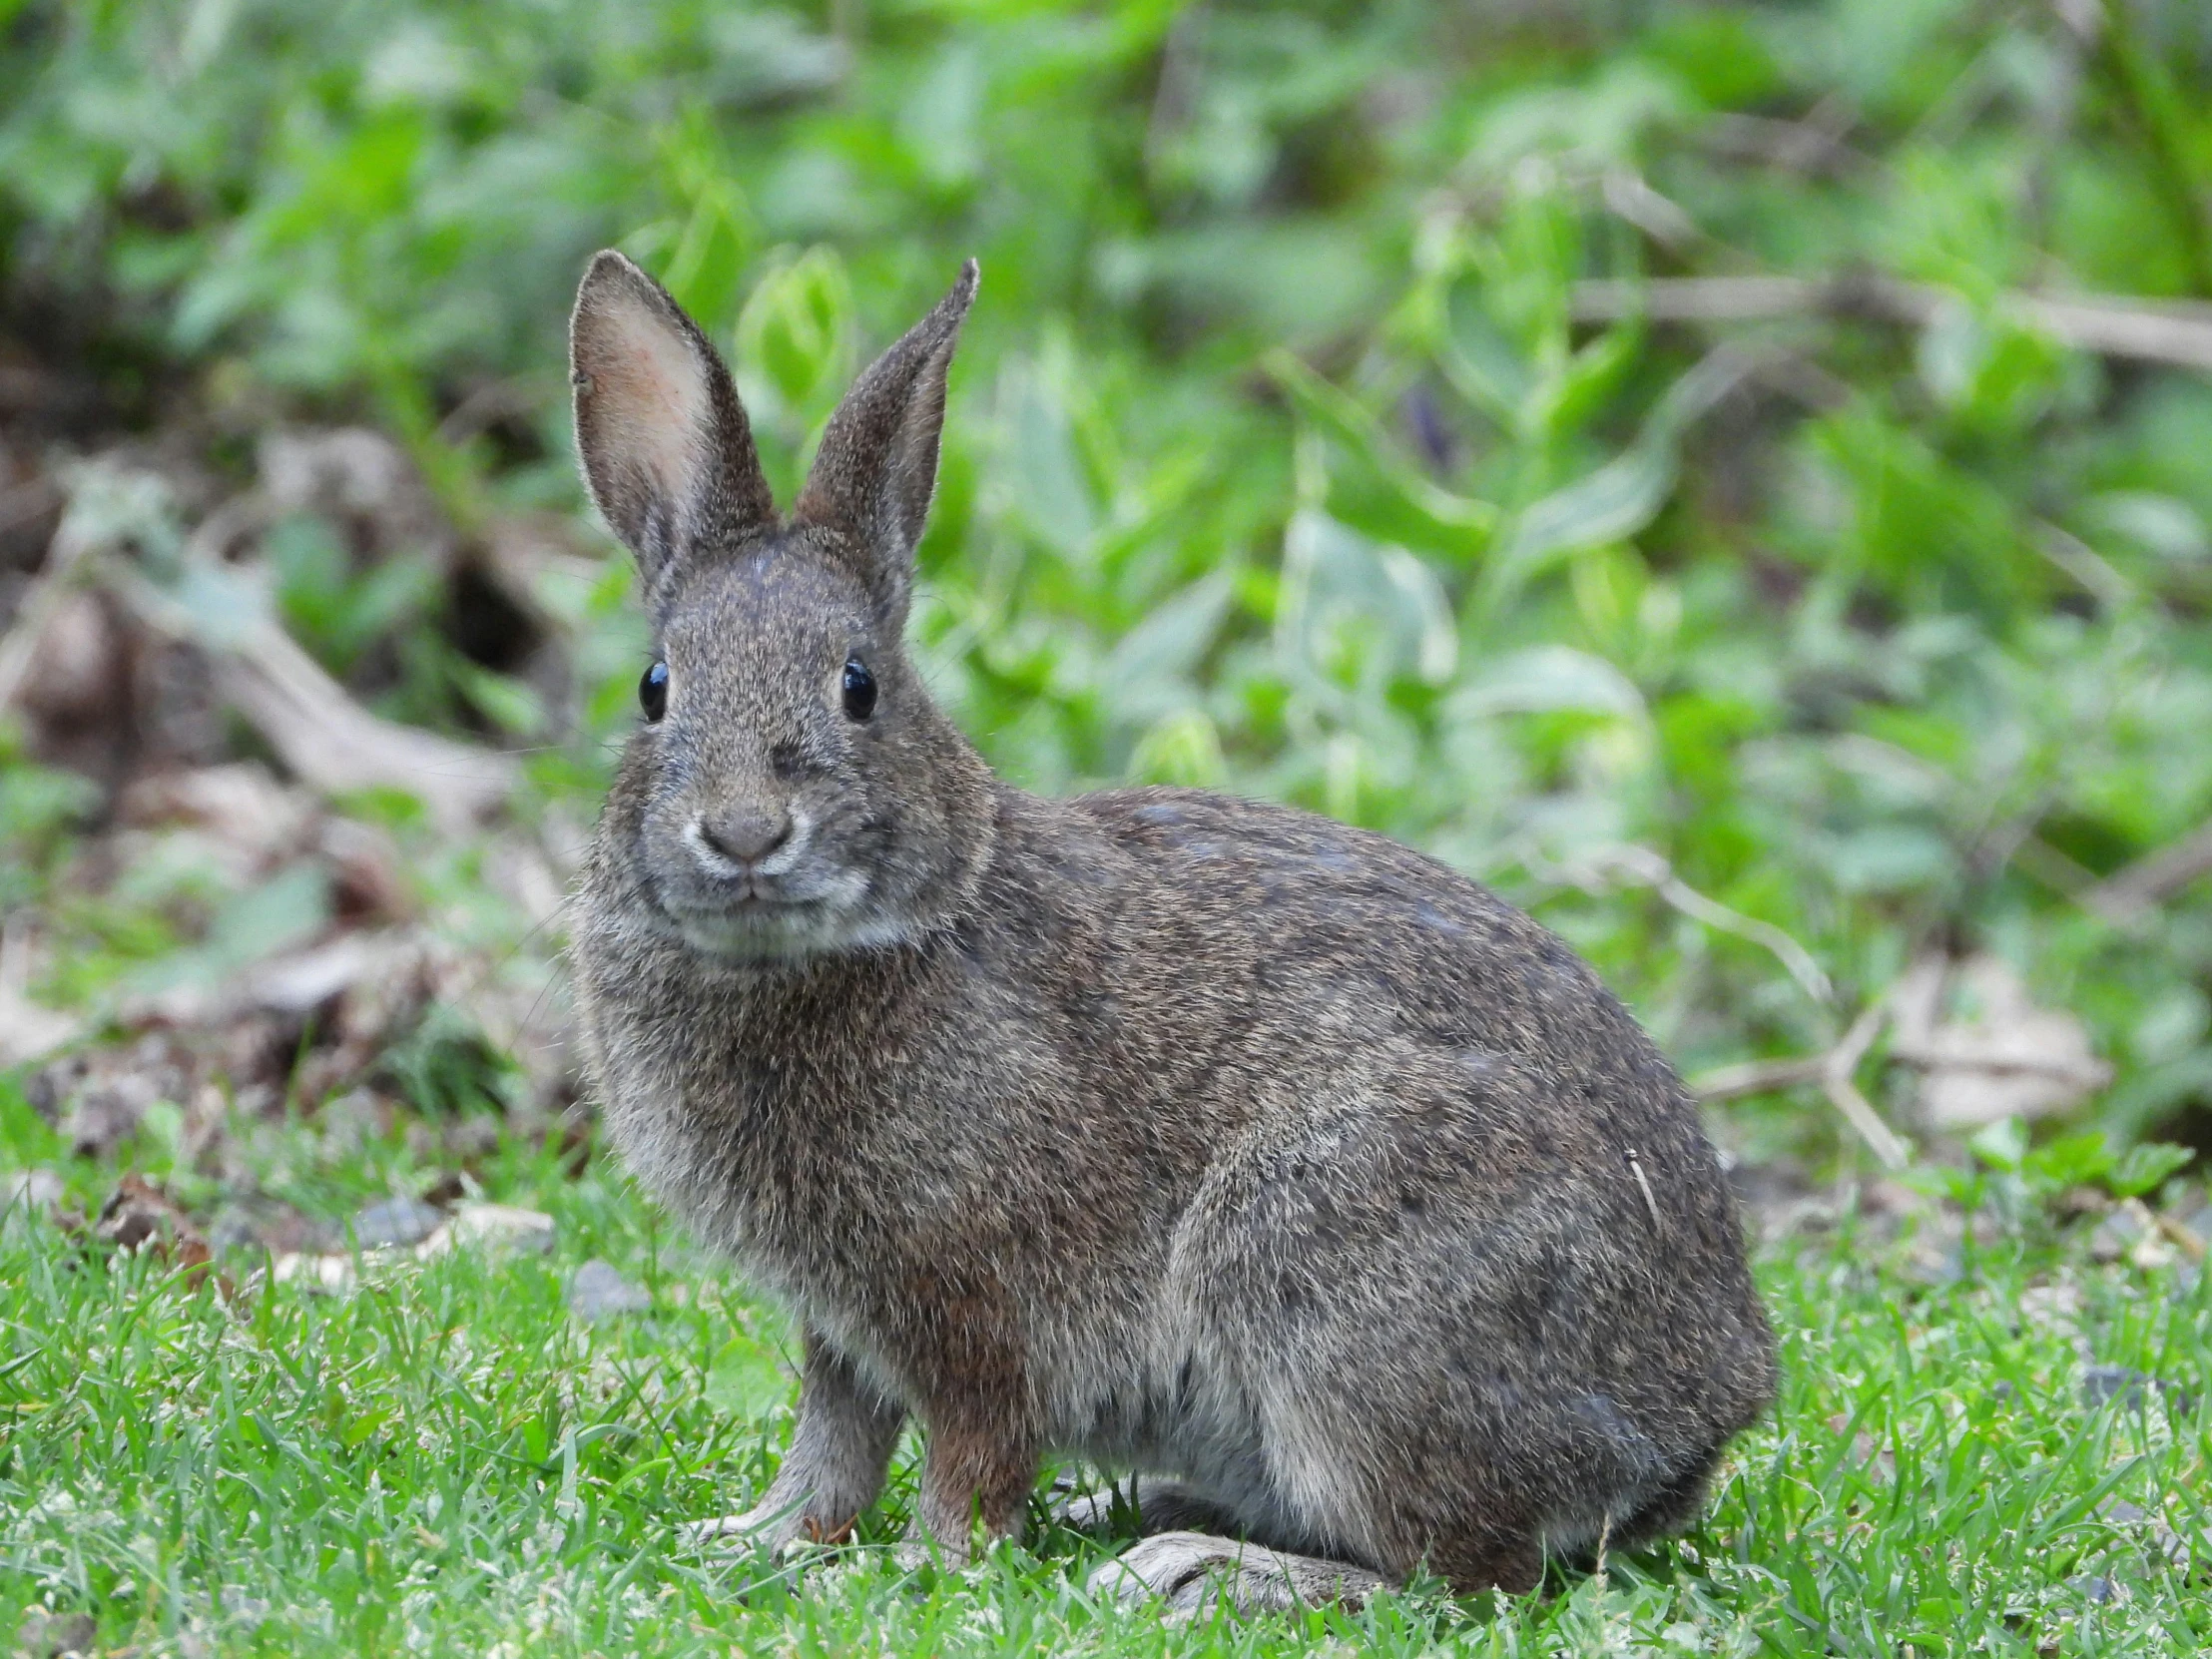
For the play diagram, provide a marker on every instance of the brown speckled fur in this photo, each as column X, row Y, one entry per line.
column 1177, row 1132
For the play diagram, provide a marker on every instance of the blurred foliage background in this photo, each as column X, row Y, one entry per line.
column 1332, row 427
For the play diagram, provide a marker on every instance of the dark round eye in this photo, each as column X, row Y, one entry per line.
column 653, row 690
column 860, row 690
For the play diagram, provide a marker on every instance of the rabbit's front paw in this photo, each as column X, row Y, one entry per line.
column 775, row 1524
column 1192, row 1571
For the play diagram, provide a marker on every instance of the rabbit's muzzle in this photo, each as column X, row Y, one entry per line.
column 751, row 881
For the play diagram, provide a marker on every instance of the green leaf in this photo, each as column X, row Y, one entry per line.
column 2145, row 1167
column 745, row 1380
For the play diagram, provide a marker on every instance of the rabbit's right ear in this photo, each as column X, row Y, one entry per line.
column 665, row 447
column 876, row 467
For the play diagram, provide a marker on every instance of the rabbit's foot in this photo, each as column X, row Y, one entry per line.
column 1157, row 1504
column 774, row 1525
column 1194, row 1571
column 919, row 1550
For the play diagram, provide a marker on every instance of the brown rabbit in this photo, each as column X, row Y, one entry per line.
column 1188, row 1135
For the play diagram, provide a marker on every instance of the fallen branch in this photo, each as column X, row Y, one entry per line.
column 2181, row 1236
column 1648, row 869
column 1760, row 1077
column 2173, row 332
column 2130, row 893
column 1843, row 1093
column 1833, row 1071
column 325, row 738
column 1814, row 146
column 29, row 1031
column 40, row 603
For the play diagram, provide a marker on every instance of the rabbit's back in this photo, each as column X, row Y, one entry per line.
column 1452, row 1188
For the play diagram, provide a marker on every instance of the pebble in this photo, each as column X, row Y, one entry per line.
column 596, row 1291
column 395, row 1222
column 491, row 1226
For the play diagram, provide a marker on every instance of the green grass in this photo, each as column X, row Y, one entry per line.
column 1811, row 652
column 445, row 1461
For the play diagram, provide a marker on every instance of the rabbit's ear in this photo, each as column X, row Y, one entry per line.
column 665, row 443
column 877, row 464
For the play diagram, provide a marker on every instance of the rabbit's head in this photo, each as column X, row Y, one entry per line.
column 790, row 788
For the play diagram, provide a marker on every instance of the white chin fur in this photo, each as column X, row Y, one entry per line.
column 835, row 921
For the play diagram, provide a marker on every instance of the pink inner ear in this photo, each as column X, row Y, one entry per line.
column 648, row 387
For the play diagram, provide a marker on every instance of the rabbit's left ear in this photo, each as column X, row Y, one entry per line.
column 878, row 466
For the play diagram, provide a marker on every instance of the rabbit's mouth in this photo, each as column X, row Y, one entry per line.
column 756, row 921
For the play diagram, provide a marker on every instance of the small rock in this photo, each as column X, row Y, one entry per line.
column 491, row 1226
column 470, row 1139
column 2094, row 1588
column 2162, row 1541
column 2105, row 1385
column 2053, row 1306
column 334, row 1275
column 257, row 1221
column 2152, row 1254
column 2127, row 1225
column 2081, row 1200
column 53, row 1636
column 30, row 1192
column 597, row 1291
column 395, row 1222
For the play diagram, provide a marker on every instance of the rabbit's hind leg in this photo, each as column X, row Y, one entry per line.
column 1195, row 1572
column 1157, row 1504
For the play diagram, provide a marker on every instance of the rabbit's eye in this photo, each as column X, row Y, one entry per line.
column 653, row 690
column 860, row 690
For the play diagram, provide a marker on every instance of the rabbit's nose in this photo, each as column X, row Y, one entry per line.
column 742, row 837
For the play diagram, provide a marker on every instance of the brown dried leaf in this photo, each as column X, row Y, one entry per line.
column 1987, row 1050
column 138, row 1216
column 28, row 1031
column 97, row 1097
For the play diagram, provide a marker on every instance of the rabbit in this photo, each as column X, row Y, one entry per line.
column 1192, row 1136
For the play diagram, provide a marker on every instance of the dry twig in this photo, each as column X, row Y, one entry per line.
column 1833, row 1071
column 48, row 591
column 2173, row 332
column 1816, row 145
column 1843, row 1093
column 1648, row 869
column 2130, row 893
column 325, row 738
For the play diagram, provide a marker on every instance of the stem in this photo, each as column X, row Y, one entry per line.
column 2151, row 105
